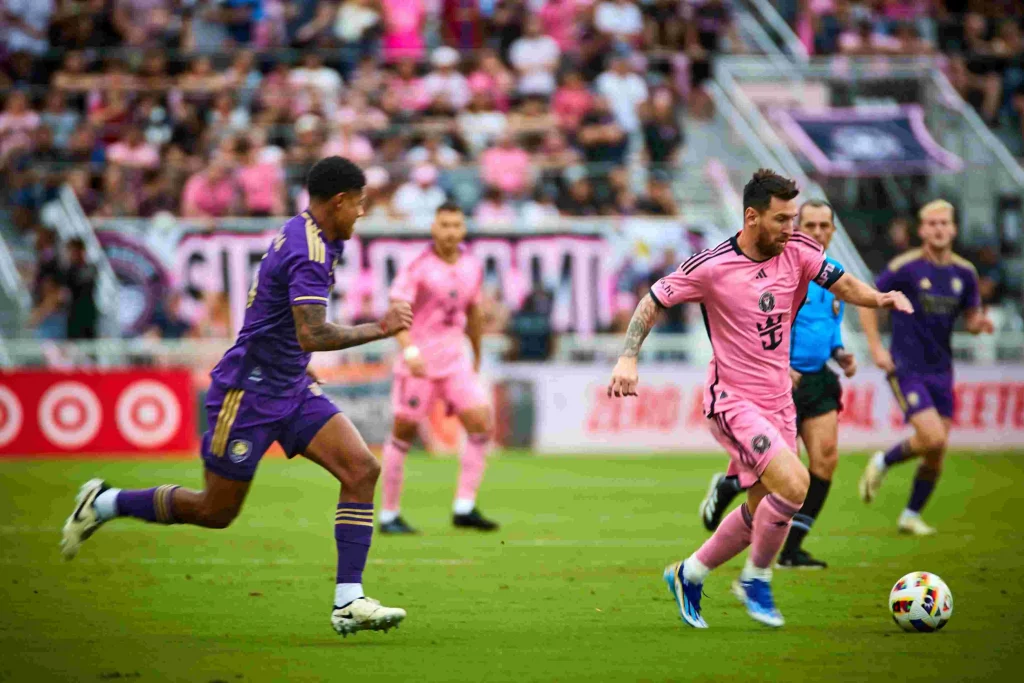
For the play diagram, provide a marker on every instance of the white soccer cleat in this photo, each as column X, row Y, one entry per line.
column 914, row 525
column 84, row 521
column 871, row 480
column 365, row 614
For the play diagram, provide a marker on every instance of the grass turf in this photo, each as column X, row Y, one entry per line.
column 569, row 589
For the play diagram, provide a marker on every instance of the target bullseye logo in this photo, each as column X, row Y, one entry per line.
column 148, row 414
column 11, row 416
column 69, row 414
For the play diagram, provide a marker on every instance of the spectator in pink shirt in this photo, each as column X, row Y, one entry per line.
column 261, row 183
column 16, row 124
column 403, row 29
column 494, row 209
column 506, row 166
column 346, row 142
column 492, row 76
column 572, row 101
column 133, row 151
column 407, row 87
column 559, row 20
column 211, row 193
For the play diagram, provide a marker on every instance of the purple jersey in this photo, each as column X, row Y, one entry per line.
column 297, row 270
column 939, row 293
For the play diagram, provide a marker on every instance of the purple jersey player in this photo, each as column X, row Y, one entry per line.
column 919, row 363
column 261, row 392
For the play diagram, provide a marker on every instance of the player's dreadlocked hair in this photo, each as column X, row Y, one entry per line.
column 764, row 185
column 332, row 175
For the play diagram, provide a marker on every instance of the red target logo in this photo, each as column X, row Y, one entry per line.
column 148, row 414
column 69, row 414
column 11, row 416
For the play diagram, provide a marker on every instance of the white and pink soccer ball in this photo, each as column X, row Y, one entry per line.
column 921, row 601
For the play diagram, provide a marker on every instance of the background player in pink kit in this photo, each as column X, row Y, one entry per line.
column 750, row 287
column 443, row 286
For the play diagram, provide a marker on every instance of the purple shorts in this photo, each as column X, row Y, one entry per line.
column 244, row 424
column 917, row 392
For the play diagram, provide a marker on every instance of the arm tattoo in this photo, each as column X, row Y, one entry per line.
column 316, row 334
column 644, row 317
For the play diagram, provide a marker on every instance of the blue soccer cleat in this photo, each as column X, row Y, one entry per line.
column 756, row 594
column 686, row 594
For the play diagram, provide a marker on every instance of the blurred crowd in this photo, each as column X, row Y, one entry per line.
column 983, row 41
column 517, row 109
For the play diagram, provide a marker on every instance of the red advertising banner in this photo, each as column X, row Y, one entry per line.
column 96, row 412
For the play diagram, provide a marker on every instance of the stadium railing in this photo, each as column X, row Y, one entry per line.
column 200, row 355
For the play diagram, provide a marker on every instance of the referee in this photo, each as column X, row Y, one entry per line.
column 816, row 337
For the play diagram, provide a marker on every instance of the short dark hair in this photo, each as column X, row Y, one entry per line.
column 816, row 204
column 448, row 206
column 76, row 243
column 765, row 184
column 333, row 175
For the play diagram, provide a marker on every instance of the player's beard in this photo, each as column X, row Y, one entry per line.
column 768, row 246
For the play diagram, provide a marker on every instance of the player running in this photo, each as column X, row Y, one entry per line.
column 260, row 393
column 443, row 286
column 749, row 288
column 816, row 337
column 920, row 361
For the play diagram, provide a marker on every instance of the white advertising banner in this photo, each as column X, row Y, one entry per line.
column 575, row 415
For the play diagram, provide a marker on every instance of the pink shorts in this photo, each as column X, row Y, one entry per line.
column 753, row 437
column 411, row 397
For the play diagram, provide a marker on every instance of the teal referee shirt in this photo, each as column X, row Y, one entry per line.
column 817, row 330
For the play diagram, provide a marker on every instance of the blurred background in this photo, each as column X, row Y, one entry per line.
column 149, row 148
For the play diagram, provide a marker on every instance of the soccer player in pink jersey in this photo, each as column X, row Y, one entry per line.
column 443, row 286
column 750, row 288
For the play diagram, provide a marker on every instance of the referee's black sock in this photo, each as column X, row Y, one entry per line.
column 817, row 492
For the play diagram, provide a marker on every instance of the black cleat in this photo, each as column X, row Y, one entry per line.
column 397, row 526
column 721, row 492
column 799, row 559
column 474, row 520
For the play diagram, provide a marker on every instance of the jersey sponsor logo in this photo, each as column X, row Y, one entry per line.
column 761, row 275
column 771, row 332
column 925, row 283
column 767, row 302
column 239, row 450
column 958, row 285
column 913, row 399
column 760, row 444
column 256, row 375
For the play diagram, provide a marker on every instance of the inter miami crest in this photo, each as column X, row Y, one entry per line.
column 767, row 302
column 760, row 444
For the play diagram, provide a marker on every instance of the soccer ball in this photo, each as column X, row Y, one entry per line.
column 921, row 602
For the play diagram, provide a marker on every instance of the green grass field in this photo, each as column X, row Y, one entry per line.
column 570, row 589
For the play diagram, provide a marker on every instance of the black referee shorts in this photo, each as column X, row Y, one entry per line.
column 817, row 394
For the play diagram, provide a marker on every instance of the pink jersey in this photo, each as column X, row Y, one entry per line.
column 748, row 309
column 440, row 294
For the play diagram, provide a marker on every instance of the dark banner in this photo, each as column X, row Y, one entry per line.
column 867, row 142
